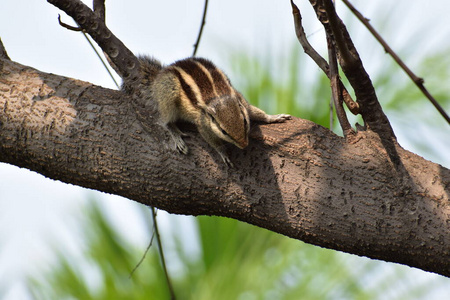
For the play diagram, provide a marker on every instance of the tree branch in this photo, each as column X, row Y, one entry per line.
column 298, row 178
column 319, row 60
column 353, row 69
column 67, row 26
column 336, row 90
column 301, row 36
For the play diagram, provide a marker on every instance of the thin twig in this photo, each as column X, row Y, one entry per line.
column 317, row 58
column 67, row 26
column 417, row 80
column 143, row 256
column 301, row 36
column 161, row 253
column 101, row 59
column 202, row 25
column 72, row 28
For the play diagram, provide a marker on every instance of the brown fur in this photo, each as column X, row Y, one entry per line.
column 195, row 90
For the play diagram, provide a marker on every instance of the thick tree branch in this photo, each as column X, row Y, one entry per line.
column 297, row 179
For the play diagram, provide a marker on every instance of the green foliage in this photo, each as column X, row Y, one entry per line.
column 241, row 261
column 104, row 271
column 235, row 261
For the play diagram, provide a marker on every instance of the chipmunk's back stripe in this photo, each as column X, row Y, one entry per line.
column 190, row 94
column 220, row 80
column 201, row 79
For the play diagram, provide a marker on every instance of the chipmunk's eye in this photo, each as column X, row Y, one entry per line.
column 212, row 119
column 223, row 131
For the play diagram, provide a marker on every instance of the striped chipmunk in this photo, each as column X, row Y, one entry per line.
column 196, row 91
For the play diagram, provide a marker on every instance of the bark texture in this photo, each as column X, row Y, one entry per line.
column 298, row 178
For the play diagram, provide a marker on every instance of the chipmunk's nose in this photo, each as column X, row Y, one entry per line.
column 243, row 143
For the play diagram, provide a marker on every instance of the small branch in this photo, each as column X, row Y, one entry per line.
column 202, row 25
column 336, row 89
column 349, row 102
column 417, row 80
column 67, row 26
column 318, row 59
column 301, row 36
column 143, row 256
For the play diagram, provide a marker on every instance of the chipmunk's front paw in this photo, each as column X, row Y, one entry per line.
column 228, row 162
column 279, row 118
column 181, row 146
column 225, row 157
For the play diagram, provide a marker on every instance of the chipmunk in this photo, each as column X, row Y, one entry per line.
column 196, row 91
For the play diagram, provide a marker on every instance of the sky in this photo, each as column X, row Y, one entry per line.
column 36, row 212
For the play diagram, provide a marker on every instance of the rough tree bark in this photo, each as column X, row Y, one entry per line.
column 298, row 178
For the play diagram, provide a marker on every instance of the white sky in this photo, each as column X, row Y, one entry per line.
column 36, row 213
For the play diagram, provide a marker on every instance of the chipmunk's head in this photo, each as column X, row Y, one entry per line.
column 229, row 120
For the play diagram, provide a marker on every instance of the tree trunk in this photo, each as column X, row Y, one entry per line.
column 298, row 178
